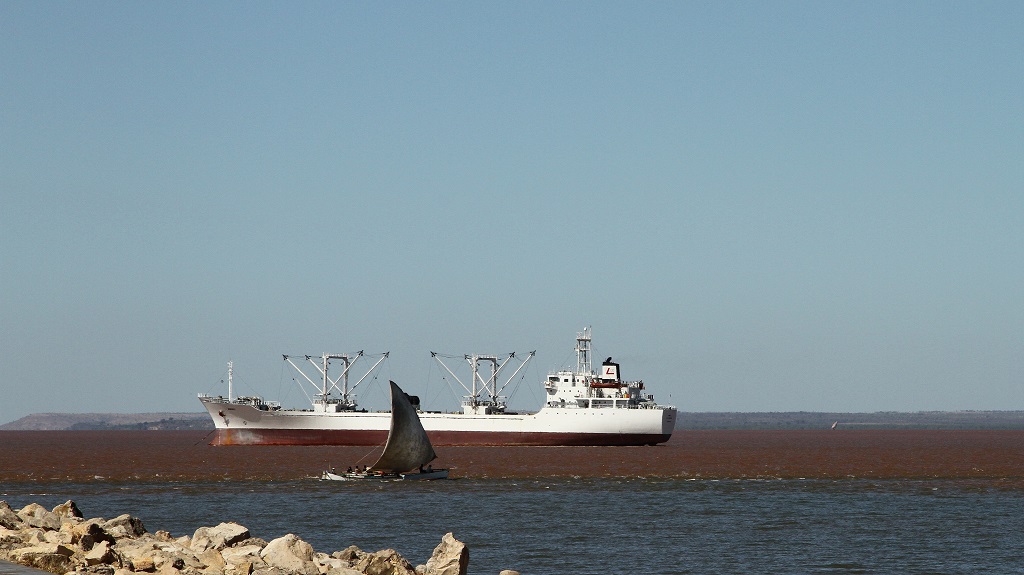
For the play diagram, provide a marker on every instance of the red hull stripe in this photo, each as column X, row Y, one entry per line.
column 355, row 437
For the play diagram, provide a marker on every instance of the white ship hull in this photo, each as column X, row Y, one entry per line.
column 582, row 407
column 246, row 425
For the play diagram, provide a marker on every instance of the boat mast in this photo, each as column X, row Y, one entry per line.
column 231, row 390
column 583, row 365
column 329, row 384
column 493, row 402
column 489, row 386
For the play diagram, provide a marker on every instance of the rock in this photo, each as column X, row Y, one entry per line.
column 49, row 557
column 8, row 518
column 178, row 558
column 508, row 572
column 213, row 561
column 67, row 509
column 100, row 553
column 52, row 562
column 267, row 570
column 134, row 550
column 169, row 569
column 158, row 551
column 450, row 557
column 63, row 542
column 87, row 533
column 330, row 565
column 124, row 526
column 291, row 554
column 219, row 537
column 386, row 562
column 239, row 555
column 10, row 538
column 46, row 548
column 244, row 568
column 36, row 536
column 350, row 554
column 38, row 516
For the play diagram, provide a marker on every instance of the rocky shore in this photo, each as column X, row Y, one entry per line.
column 61, row 541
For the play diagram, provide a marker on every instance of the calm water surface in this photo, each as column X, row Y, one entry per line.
column 709, row 502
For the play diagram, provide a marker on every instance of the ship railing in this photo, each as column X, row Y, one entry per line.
column 497, row 401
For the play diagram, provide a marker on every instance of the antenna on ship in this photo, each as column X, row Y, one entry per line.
column 583, row 364
column 231, row 389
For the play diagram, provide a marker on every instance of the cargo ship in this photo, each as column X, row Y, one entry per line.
column 582, row 407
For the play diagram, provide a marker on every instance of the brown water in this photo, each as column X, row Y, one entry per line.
column 722, row 502
column 986, row 456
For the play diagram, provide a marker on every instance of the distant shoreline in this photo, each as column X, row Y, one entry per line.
column 110, row 421
column 878, row 420
column 686, row 420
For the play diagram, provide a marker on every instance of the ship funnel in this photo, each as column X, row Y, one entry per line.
column 609, row 370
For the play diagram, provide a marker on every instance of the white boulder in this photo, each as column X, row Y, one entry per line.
column 219, row 537
column 290, row 554
column 450, row 557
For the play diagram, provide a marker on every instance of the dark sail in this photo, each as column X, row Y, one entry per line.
column 408, row 446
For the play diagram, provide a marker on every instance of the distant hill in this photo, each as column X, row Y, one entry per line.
column 685, row 420
column 72, row 421
column 879, row 420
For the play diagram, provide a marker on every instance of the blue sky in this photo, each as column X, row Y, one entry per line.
column 758, row 206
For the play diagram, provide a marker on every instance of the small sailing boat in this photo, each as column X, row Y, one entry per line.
column 408, row 448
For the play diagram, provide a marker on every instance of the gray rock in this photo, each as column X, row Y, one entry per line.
column 450, row 557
